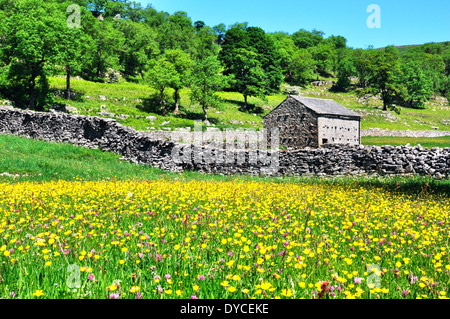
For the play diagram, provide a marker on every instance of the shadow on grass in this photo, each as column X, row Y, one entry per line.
column 421, row 186
column 189, row 115
column 60, row 107
column 76, row 96
column 337, row 89
column 151, row 105
column 251, row 108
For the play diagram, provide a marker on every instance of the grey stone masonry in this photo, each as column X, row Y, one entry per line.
column 136, row 147
column 297, row 124
column 90, row 132
column 313, row 122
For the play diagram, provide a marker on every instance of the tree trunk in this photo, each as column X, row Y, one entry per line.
column 99, row 55
column 175, row 97
column 384, row 105
column 67, row 82
column 384, row 97
column 205, row 114
column 162, row 102
column 245, row 101
column 32, row 102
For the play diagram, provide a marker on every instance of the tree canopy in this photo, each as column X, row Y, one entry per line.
column 142, row 44
column 250, row 56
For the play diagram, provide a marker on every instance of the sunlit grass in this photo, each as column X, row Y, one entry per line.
column 23, row 159
column 429, row 142
column 230, row 113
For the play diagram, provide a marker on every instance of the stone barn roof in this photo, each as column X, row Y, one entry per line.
column 324, row 106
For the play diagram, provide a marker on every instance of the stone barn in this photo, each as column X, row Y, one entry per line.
column 305, row 121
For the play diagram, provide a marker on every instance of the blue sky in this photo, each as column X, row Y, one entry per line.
column 402, row 22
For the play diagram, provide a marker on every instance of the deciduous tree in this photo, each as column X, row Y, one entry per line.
column 305, row 39
column 205, row 81
column 385, row 77
column 303, row 66
column 419, row 87
column 160, row 76
column 31, row 42
column 252, row 58
column 181, row 66
column 345, row 70
column 138, row 48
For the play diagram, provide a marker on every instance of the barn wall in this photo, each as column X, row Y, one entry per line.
column 297, row 124
column 338, row 131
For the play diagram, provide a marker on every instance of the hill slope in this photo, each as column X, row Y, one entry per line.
column 402, row 49
column 126, row 102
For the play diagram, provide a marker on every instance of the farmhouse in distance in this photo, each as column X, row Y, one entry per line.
column 304, row 121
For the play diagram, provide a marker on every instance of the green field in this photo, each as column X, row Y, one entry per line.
column 34, row 161
column 130, row 99
column 442, row 141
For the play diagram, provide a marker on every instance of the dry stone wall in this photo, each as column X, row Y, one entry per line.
column 90, row 132
column 220, row 158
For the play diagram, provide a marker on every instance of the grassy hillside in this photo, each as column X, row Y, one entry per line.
column 129, row 104
column 436, row 113
column 403, row 49
column 132, row 100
